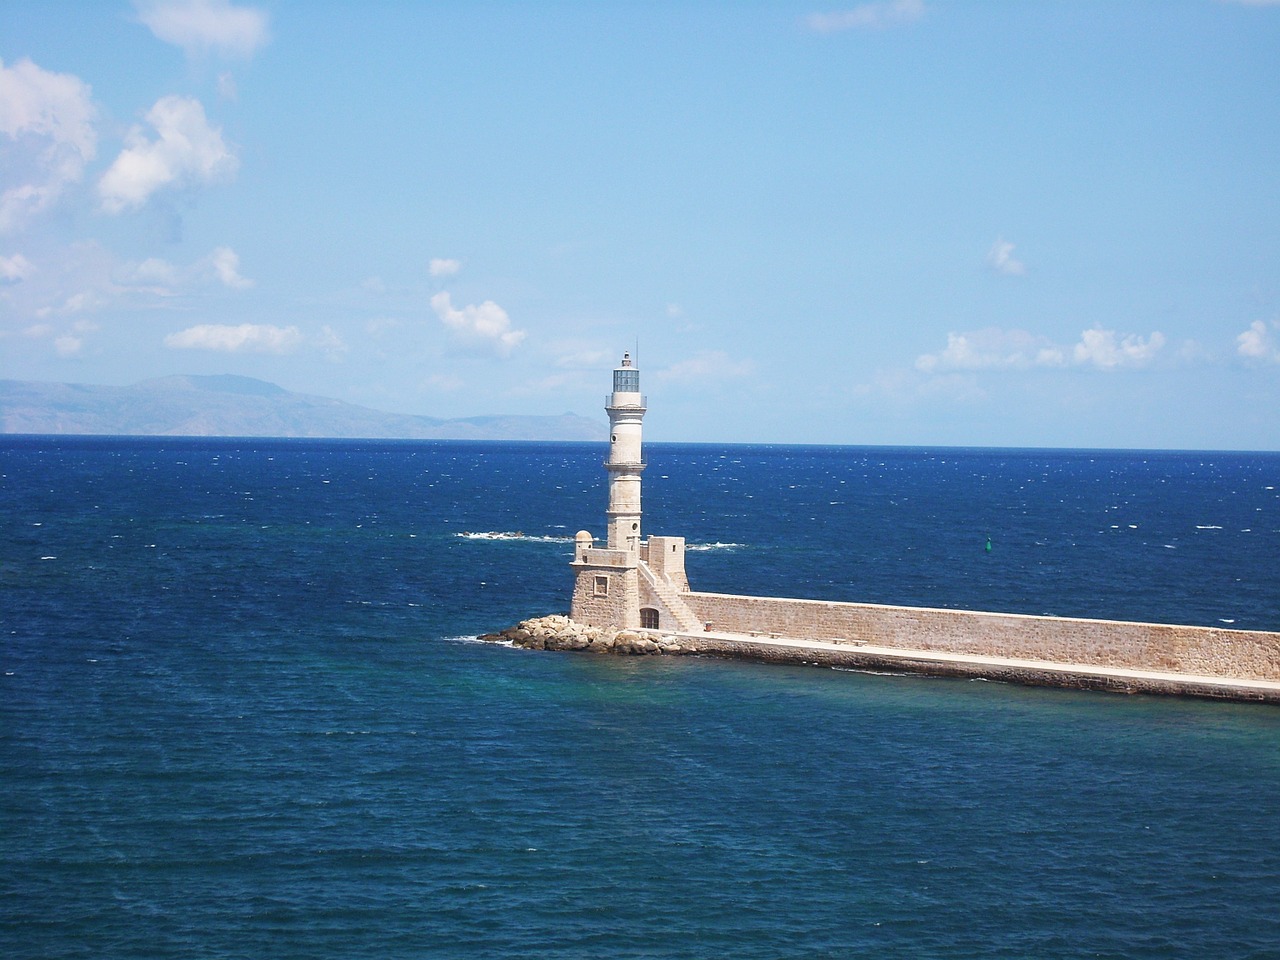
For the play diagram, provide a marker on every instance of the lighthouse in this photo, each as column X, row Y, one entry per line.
column 628, row 582
column 626, row 408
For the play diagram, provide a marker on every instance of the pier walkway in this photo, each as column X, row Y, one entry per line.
column 1036, row 672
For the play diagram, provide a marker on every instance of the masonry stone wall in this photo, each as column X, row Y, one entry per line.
column 616, row 607
column 1207, row 651
column 665, row 556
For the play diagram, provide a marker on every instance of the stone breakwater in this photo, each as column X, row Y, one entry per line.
column 562, row 633
column 558, row 632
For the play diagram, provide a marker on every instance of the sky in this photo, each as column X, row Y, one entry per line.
column 914, row 222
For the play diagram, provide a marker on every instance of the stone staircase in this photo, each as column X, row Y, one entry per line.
column 672, row 603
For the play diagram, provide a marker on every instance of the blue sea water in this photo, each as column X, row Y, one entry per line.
column 241, row 714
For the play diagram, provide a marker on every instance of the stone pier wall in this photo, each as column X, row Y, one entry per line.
column 1206, row 651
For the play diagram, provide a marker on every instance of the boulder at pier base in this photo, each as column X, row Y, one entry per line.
column 558, row 632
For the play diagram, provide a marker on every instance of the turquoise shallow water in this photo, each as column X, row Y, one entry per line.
column 240, row 715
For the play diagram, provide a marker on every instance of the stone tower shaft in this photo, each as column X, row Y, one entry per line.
column 626, row 408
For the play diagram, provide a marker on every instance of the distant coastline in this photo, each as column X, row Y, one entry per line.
column 231, row 406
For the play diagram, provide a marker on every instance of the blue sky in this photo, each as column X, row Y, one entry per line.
column 899, row 222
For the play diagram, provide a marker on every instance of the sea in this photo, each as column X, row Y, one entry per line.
column 243, row 712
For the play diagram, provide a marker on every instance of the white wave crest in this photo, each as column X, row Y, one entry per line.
column 471, row 638
column 713, row 546
column 510, row 535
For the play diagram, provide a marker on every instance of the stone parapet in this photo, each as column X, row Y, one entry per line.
column 1165, row 648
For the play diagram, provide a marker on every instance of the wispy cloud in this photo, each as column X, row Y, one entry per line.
column 997, row 349
column 206, row 26
column 442, row 267
column 331, row 343
column 707, row 365
column 162, row 278
column 186, row 151
column 486, row 324
column 1107, row 350
column 15, row 269
column 576, row 356
column 226, row 266
column 85, row 277
column 867, row 16
column 48, row 118
column 68, row 345
column 1258, row 343
column 244, row 338
column 993, row 349
column 1000, row 258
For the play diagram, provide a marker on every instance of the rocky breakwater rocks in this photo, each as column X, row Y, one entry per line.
column 560, row 633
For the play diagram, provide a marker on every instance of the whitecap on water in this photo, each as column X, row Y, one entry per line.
column 487, row 643
column 508, row 535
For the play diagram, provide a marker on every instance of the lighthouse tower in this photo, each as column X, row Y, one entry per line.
column 625, row 407
column 628, row 582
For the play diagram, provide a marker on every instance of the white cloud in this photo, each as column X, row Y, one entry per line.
column 1000, row 259
column 46, row 138
column 68, row 345
column 1102, row 349
column 203, row 26
column 164, row 279
column 186, row 151
column 708, row 365
column 226, row 265
column 441, row 267
column 153, row 275
column 227, row 88
column 331, row 342
column 486, row 324
column 1257, row 343
column 15, row 269
column 245, row 338
column 582, row 357
column 867, row 16
column 84, row 276
column 992, row 349
column 997, row 349
column 81, row 302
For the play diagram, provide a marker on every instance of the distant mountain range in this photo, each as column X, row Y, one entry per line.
column 229, row 406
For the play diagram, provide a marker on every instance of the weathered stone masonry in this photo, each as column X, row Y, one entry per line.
column 1164, row 648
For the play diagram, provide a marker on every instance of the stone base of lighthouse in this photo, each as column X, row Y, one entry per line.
column 631, row 589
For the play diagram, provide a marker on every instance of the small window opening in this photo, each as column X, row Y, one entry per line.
column 649, row 618
column 602, row 586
